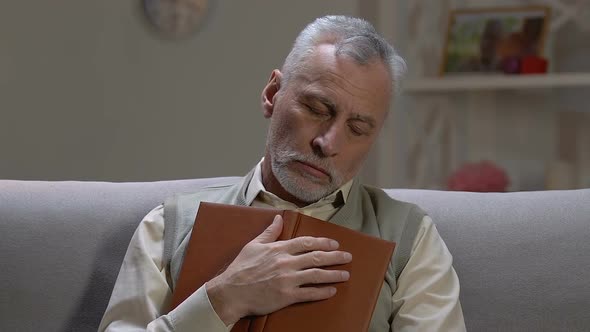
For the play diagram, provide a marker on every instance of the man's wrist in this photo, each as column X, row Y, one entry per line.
column 225, row 308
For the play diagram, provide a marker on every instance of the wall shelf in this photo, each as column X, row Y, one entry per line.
column 496, row 82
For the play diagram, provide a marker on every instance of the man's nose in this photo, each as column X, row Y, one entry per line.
column 329, row 142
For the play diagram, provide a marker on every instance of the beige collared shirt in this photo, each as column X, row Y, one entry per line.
column 426, row 299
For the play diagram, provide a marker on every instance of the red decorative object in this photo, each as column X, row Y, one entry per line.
column 483, row 176
column 533, row 65
column 511, row 65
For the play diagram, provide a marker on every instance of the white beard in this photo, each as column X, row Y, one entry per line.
column 302, row 186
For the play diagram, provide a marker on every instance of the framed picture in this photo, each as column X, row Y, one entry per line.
column 489, row 40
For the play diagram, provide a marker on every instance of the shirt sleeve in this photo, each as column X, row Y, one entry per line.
column 142, row 294
column 427, row 294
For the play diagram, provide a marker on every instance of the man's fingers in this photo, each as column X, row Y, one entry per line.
column 309, row 243
column 272, row 232
column 320, row 276
column 306, row 294
column 320, row 259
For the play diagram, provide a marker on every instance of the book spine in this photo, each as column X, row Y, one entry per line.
column 291, row 220
column 290, row 224
column 257, row 324
column 297, row 223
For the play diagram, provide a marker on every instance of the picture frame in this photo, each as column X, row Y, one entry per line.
column 493, row 40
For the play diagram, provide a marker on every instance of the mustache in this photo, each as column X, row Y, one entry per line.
column 286, row 156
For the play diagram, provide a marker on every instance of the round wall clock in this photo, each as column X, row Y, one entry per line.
column 175, row 19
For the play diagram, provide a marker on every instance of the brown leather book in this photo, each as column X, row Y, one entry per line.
column 219, row 233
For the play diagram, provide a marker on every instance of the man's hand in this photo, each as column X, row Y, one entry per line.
column 267, row 275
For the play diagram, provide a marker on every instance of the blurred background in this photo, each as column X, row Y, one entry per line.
column 146, row 90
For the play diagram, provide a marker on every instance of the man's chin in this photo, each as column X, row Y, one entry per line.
column 308, row 190
column 308, row 195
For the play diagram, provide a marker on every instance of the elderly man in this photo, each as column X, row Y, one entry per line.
column 326, row 107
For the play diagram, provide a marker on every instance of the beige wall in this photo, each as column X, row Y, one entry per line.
column 87, row 93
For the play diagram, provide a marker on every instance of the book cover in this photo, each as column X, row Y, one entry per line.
column 221, row 231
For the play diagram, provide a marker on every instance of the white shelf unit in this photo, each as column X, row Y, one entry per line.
column 496, row 82
column 443, row 122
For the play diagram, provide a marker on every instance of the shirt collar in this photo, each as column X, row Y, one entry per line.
column 256, row 189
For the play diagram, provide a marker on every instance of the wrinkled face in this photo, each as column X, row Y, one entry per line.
column 323, row 122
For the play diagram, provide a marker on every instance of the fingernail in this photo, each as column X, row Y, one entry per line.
column 332, row 290
column 345, row 275
column 334, row 244
column 348, row 256
column 276, row 219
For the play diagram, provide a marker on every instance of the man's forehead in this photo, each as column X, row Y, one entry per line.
column 322, row 63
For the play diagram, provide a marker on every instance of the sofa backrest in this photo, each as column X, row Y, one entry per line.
column 63, row 244
column 521, row 257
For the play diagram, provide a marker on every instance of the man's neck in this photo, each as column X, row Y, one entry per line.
column 272, row 185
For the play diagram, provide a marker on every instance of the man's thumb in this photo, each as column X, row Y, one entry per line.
column 272, row 232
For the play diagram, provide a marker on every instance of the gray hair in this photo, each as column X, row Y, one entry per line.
column 351, row 36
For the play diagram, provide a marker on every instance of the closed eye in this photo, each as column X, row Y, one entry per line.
column 316, row 112
column 359, row 127
column 356, row 130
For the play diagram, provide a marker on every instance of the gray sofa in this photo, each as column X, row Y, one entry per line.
column 523, row 258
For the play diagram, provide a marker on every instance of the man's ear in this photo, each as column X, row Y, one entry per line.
column 270, row 91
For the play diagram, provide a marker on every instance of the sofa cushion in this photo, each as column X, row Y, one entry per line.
column 522, row 258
